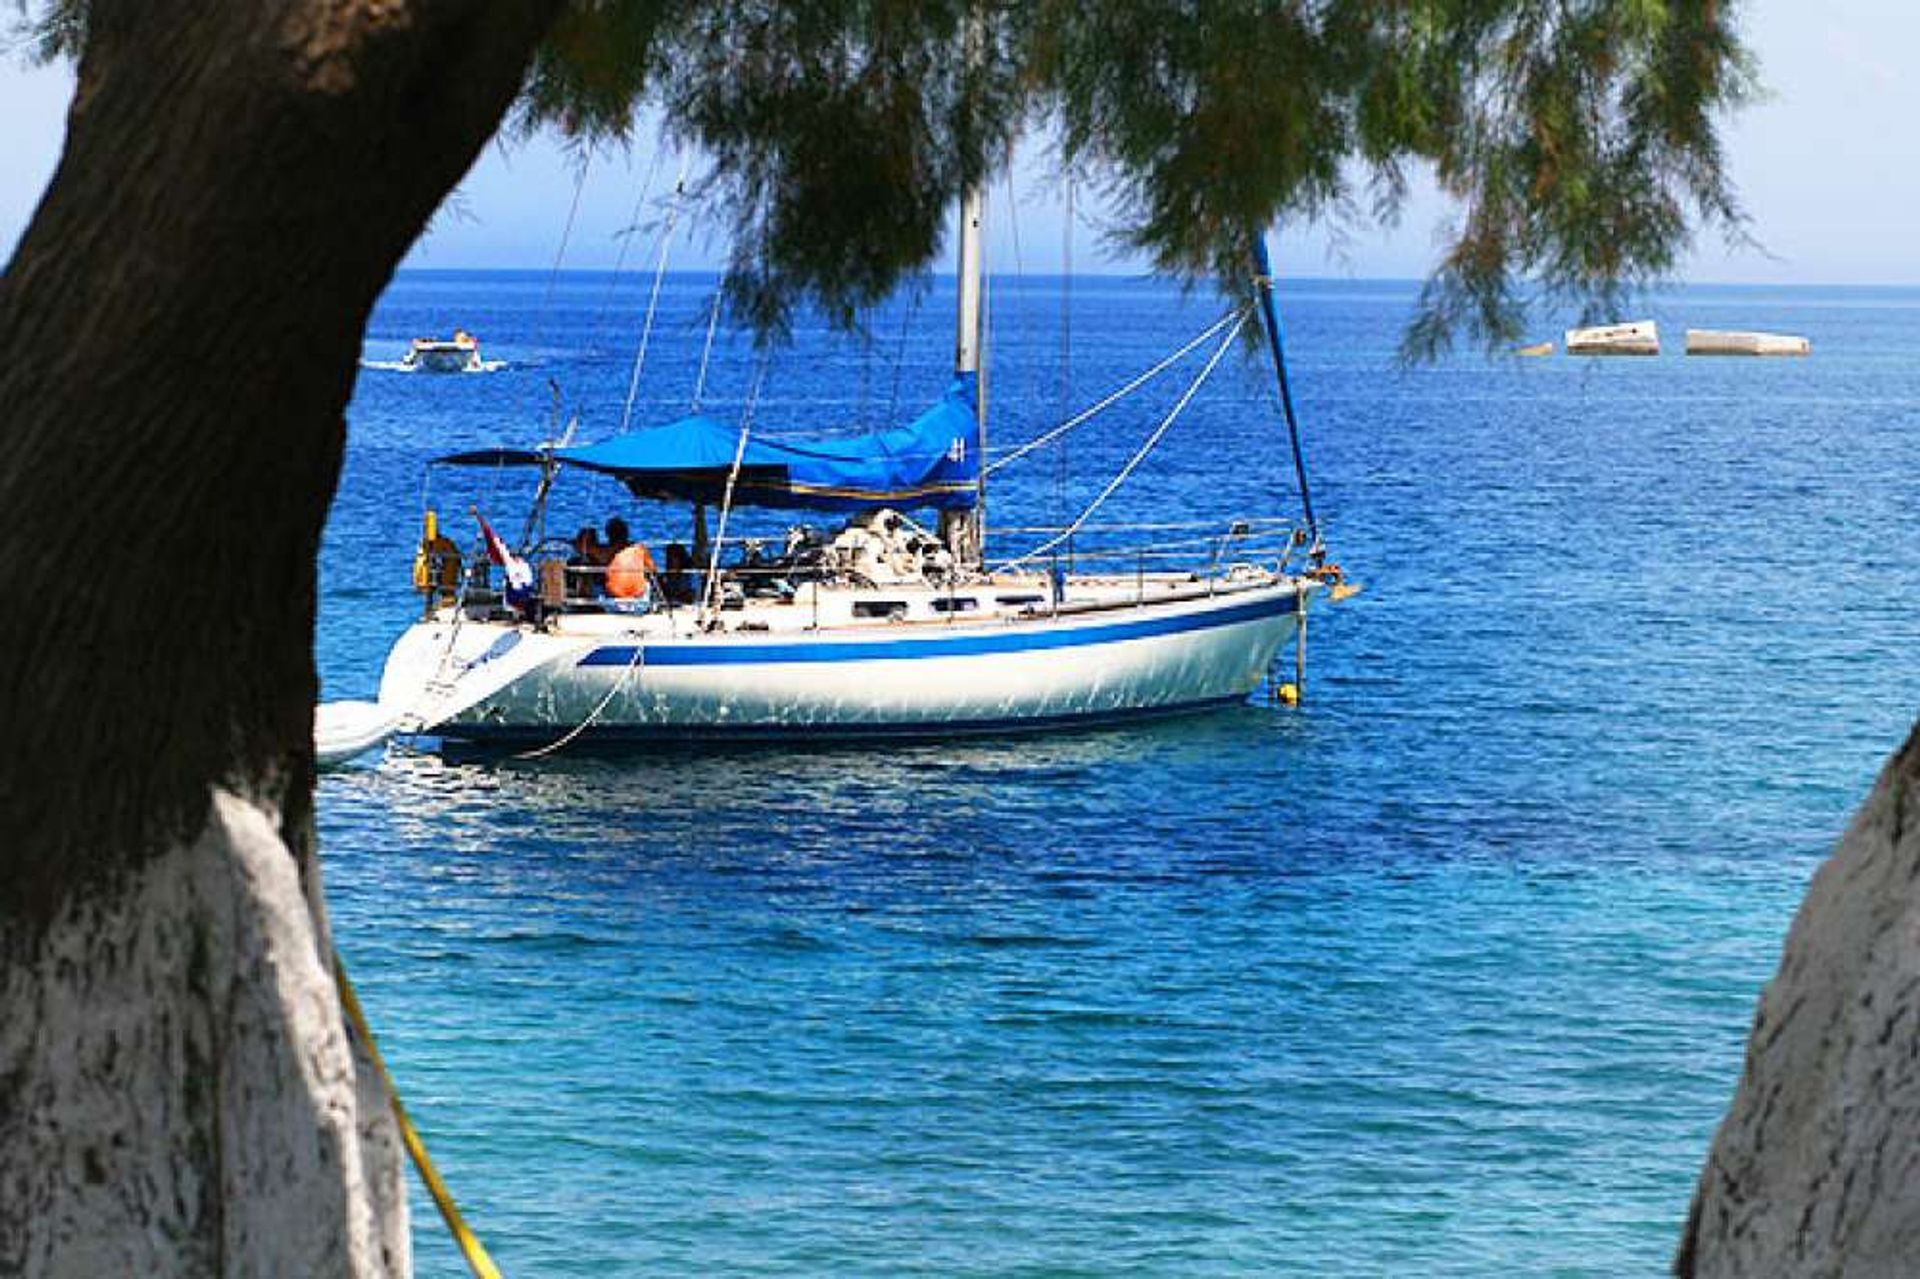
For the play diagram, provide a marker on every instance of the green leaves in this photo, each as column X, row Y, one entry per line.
column 840, row 134
column 1580, row 138
column 1585, row 160
column 596, row 67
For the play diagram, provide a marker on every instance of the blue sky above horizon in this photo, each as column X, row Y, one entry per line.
column 1824, row 165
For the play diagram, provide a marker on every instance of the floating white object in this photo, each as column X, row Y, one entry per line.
column 346, row 730
column 1641, row 337
column 460, row 354
column 1729, row 342
column 1536, row 348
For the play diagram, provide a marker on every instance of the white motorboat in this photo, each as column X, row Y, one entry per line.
column 882, row 628
column 458, row 354
column 1730, row 342
column 1640, row 337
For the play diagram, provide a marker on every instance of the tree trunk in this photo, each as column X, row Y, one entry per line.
column 1816, row 1168
column 178, row 335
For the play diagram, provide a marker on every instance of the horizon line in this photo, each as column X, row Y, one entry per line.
column 1150, row 276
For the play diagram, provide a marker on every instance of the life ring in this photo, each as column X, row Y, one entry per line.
column 630, row 572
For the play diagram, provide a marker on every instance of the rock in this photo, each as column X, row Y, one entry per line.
column 1816, row 1168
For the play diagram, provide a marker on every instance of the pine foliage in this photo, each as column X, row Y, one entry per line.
column 1579, row 139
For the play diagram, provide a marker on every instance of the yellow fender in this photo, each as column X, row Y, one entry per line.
column 422, row 572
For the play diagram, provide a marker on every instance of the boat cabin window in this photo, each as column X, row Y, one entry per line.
column 890, row 609
column 1018, row 599
column 956, row 604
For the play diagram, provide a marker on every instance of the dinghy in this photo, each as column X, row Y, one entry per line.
column 344, row 731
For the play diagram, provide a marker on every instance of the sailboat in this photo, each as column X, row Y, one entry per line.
column 882, row 628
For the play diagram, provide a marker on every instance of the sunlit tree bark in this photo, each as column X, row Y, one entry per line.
column 1816, row 1168
column 178, row 336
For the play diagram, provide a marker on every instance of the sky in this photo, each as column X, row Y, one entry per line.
column 1826, row 166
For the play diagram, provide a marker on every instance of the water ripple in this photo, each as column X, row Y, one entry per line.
column 1446, row 972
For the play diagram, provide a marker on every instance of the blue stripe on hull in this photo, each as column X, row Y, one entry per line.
column 505, row 735
column 1017, row 638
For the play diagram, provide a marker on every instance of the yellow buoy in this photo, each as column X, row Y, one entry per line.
column 1287, row 694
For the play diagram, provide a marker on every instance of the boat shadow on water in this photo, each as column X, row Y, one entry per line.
column 705, row 774
column 630, row 825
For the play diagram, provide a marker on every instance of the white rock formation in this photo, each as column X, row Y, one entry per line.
column 187, row 1100
column 1816, row 1168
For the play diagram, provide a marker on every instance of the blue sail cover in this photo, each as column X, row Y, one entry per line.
column 933, row 461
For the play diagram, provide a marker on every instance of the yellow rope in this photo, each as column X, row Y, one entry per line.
column 470, row 1247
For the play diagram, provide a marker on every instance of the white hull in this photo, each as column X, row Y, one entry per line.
column 445, row 359
column 1641, row 337
column 343, row 731
column 1724, row 342
column 633, row 678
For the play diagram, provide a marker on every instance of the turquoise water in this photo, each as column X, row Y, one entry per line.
column 1445, row 972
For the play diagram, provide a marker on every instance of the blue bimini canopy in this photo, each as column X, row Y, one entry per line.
column 933, row 461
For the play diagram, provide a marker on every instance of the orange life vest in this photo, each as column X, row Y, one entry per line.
column 630, row 572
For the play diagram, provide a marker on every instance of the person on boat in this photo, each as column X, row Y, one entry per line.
column 630, row 574
column 677, row 582
column 618, row 537
column 585, row 565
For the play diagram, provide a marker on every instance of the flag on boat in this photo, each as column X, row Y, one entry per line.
column 518, row 572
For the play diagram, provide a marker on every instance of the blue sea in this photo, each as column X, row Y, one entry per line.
column 1446, row 971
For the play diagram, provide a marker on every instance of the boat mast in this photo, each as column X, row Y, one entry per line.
column 1276, row 343
column 965, row 532
column 966, row 363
